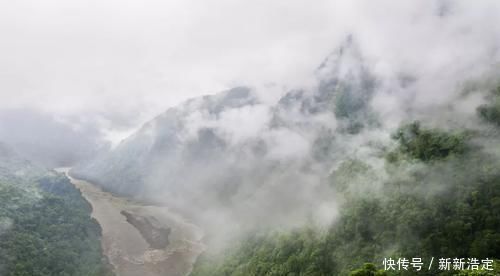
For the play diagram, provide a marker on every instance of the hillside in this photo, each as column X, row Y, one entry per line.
column 45, row 224
column 441, row 199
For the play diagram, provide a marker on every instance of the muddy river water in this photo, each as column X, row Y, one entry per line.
column 139, row 239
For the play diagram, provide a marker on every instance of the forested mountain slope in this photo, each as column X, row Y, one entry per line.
column 441, row 199
column 45, row 224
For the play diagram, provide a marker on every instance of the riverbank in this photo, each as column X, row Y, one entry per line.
column 141, row 239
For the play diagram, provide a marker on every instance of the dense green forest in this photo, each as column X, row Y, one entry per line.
column 439, row 197
column 45, row 224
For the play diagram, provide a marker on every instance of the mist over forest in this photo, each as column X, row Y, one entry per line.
column 249, row 138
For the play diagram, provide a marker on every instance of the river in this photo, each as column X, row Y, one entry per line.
column 140, row 239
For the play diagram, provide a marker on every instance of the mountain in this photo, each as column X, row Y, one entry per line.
column 351, row 171
column 166, row 139
column 230, row 151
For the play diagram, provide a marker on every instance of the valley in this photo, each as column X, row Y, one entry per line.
column 134, row 234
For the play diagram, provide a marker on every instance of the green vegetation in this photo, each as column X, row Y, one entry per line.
column 444, row 203
column 45, row 225
column 491, row 112
column 495, row 272
column 426, row 144
column 296, row 253
column 368, row 269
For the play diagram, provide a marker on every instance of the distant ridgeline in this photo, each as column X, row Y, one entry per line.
column 45, row 224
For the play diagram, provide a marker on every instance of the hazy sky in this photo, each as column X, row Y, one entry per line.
column 119, row 63
column 128, row 59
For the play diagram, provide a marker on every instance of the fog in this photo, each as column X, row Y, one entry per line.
column 128, row 61
column 99, row 70
column 125, row 62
